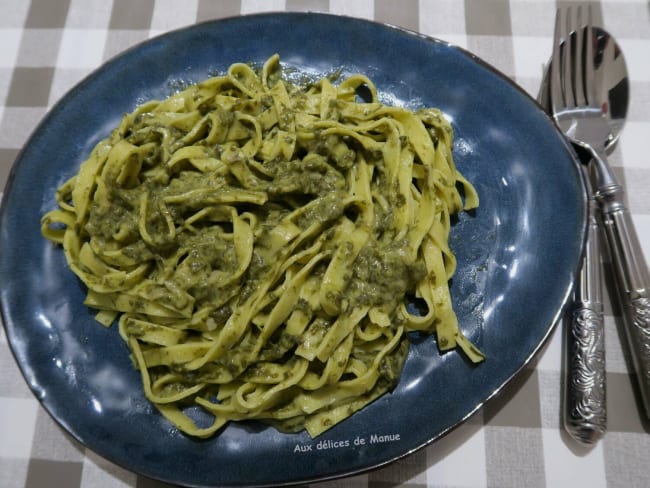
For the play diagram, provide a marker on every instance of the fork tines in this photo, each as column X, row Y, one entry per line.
column 571, row 82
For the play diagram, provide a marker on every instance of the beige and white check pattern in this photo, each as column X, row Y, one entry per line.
column 46, row 46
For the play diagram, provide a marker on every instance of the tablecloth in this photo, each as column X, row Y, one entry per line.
column 46, row 46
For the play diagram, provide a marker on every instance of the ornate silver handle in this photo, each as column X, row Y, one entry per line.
column 634, row 285
column 585, row 401
column 632, row 274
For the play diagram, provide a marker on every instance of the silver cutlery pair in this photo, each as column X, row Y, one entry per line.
column 587, row 85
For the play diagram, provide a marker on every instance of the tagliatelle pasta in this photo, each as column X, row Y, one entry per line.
column 259, row 240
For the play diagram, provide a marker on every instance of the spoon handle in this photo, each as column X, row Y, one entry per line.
column 633, row 278
column 585, row 413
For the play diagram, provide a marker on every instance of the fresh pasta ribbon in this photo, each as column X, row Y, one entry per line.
column 258, row 240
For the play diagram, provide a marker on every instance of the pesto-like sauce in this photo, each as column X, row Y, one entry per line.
column 257, row 239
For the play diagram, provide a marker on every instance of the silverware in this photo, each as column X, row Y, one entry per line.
column 585, row 118
column 585, row 390
column 584, row 393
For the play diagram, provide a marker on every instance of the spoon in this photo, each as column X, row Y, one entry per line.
column 584, row 394
column 613, row 87
column 585, row 415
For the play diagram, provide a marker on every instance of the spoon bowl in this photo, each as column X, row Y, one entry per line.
column 610, row 72
column 612, row 84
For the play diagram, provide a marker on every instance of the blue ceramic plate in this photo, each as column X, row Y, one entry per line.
column 517, row 254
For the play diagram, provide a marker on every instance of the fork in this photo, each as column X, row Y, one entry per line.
column 584, row 393
column 578, row 112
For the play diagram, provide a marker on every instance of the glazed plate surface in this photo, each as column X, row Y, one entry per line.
column 517, row 253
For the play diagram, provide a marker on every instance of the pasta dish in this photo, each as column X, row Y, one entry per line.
column 259, row 242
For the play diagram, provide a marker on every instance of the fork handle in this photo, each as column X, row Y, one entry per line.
column 585, row 399
column 632, row 274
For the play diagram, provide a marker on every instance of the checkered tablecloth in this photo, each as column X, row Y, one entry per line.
column 46, row 46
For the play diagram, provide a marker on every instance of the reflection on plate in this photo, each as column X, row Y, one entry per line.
column 517, row 253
